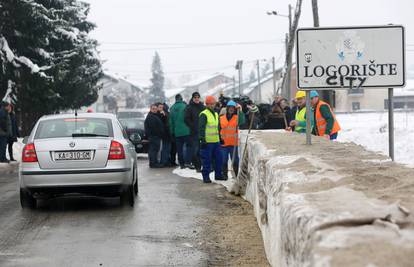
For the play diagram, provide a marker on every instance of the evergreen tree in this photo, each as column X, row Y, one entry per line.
column 156, row 92
column 47, row 53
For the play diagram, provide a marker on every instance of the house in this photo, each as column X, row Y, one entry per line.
column 210, row 85
column 374, row 99
column 267, row 90
column 118, row 93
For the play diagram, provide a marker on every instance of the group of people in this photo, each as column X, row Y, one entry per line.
column 203, row 139
column 8, row 131
column 205, row 136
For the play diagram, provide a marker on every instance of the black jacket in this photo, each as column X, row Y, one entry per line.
column 14, row 129
column 154, row 126
column 192, row 111
column 165, row 122
column 5, row 124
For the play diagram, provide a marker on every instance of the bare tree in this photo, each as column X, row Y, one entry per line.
column 291, row 44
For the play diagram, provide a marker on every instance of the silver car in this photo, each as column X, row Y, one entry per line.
column 86, row 153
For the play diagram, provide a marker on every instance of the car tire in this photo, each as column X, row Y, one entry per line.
column 128, row 196
column 27, row 200
column 136, row 182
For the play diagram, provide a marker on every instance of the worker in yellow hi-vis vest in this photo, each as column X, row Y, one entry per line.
column 209, row 136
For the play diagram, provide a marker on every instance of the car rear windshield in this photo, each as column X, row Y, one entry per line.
column 129, row 114
column 74, row 127
column 132, row 123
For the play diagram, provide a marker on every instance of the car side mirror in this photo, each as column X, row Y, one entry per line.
column 25, row 140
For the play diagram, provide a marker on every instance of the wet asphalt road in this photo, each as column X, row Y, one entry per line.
column 88, row 231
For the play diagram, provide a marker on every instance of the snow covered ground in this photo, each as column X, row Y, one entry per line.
column 371, row 131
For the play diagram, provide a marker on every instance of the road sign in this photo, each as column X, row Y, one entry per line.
column 350, row 57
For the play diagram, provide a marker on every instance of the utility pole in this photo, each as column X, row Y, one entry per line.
column 259, row 86
column 274, row 76
column 327, row 95
column 239, row 67
column 234, row 86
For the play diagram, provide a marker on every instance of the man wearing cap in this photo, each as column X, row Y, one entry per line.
column 325, row 123
column 191, row 117
column 299, row 123
column 180, row 131
column 209, row 136
column 229, row 123
column 5, row 129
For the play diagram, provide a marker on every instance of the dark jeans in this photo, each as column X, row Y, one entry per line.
column 3, row 146
column 10, row 148
column 184, row 150
column 166, row 152
column 154, row 146
column 334, row 136
column 227, row 152
column 210, row 151
column 195, row 148
column 173, row 153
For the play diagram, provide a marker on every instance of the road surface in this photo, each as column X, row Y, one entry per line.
column 176, row 222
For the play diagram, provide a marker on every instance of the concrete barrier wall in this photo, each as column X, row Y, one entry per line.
column 329, row 204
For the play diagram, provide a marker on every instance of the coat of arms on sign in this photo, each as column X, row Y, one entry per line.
column 308, row 57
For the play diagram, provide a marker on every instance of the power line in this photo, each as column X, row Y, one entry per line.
column 191, row 44
column 187, row 46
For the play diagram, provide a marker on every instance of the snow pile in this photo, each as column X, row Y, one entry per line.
column 195, row 175
column 329, row 204
column 371, row 131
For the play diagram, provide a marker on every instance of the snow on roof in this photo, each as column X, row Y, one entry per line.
column 118, row 77
column 254, row 84
column 202, row 80
column 217, row 89
column 172, row 92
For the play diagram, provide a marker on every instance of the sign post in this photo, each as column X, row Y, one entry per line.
column 308, row 119
column 352, row 58
column 391, row 123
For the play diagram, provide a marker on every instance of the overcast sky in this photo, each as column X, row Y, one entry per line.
column 129, row 31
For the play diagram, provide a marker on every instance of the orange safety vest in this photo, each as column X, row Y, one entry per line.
column 229, row 132
column 321, row 122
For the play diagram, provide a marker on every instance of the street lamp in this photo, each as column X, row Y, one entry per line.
column 288, row 36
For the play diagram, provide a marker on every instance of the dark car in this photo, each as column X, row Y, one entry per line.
column 136, row 133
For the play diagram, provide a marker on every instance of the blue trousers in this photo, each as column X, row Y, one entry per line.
column 184, row 151
column 166, row 152
column 195, row 148
column 208, row 152
column 227, row 152
column 334, row 136
column 153, row 149
column 3, row 146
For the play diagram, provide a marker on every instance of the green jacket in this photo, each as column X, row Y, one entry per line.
column 176, row 120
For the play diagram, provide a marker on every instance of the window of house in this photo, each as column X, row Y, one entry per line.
column 356, row 106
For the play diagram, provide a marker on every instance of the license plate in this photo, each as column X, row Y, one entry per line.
column 73, row 155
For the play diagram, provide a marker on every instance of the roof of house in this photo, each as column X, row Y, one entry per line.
column 174, row 91
column 201, row 80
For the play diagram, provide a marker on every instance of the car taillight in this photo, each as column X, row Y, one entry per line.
column 29, row 153
column 116, row 151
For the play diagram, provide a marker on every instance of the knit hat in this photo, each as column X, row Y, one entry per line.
column 314, row 94
column 195, row 94
column 210, row 99
column 178, row 97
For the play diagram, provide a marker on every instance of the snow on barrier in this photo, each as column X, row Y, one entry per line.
column 329, row 204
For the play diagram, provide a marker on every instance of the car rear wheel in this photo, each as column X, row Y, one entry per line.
column 136, row 182
column 27, row 200
column 128, row 196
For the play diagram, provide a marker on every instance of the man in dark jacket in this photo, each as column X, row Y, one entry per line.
column 181, row 132
column 166, row 140
column 154, row 130
column 5, row 130
column 14, row 133
column 192, row 112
